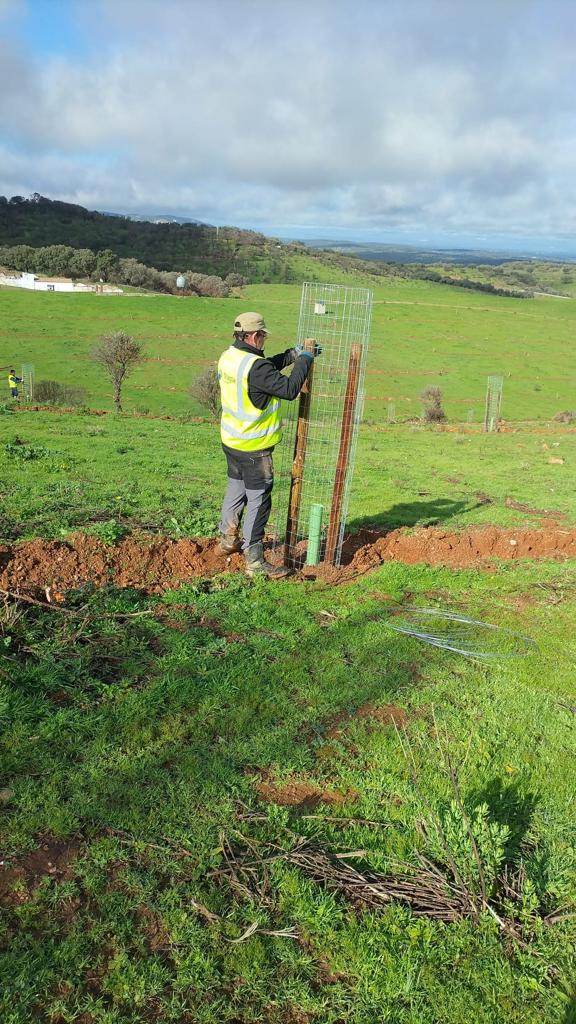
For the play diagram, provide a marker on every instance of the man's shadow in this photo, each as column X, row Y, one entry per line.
column 367, row 529
column 412, row 513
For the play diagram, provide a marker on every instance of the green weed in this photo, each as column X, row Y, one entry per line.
column 111, row 532
column 20, row 451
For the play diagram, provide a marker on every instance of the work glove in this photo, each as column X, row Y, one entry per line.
column 301, row 351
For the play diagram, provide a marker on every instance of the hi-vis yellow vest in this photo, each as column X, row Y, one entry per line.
column 12, row 382
column 242, row 425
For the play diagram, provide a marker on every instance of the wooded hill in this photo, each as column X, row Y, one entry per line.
column 39, row 221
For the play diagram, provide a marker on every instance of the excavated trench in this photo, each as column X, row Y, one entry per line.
column 154, row 564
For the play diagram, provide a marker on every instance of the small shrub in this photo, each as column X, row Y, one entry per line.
column 118, row 354
column 51, row 392
column 47, row 392
column 433, row 411
column 23, row 452
column 234, row 280
column 206, row 390
column 209, row 285
column 74, row 396
column 568, row 416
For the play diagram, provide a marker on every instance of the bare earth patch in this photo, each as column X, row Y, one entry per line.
column 155, row 564
column 302, row 793
column 388, row 714
column 20, row 877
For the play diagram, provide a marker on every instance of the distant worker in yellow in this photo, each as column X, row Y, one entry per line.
column 251, row 387
column 13, row 382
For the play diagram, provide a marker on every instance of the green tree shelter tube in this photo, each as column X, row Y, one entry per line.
column 314, row 534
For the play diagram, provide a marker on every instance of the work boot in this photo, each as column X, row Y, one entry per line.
column 229, row 543
column 256, row 565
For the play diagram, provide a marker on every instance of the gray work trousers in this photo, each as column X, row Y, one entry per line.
column 248, row 494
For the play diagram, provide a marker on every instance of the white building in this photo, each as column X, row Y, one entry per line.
column 33, row 283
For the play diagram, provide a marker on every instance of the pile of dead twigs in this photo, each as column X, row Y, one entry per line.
column 461, row 871
column 428, row 889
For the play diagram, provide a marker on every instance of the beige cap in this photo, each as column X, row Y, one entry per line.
column 249, row 322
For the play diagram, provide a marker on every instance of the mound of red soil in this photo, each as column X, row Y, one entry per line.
column 155, row 564
column 142, row 561
column 434, row 546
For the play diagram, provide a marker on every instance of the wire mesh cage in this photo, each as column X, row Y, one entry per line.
column 28, row 381
column 321, row 428
column 494, row 387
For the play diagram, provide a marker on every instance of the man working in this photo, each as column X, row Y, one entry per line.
column 13, row 382
column 251, row 387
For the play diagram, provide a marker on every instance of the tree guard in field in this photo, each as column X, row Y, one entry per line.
column 493, row 403
column 316, row 470
column 28, row 381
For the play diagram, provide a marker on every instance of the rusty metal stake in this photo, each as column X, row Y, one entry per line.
column 344, row 452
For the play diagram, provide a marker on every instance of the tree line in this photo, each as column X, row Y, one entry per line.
column 105, row 265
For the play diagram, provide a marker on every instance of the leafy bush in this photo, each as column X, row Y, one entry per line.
column 235, row 280
column 433, row 411
column 206, row 390
column 51, row 392
column 208, row 284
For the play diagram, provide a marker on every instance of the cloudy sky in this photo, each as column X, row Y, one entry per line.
column 428, row 121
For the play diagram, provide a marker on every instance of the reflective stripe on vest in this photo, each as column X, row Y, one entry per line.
column 243, row 426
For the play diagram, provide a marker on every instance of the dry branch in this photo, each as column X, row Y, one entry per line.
column 81, row 613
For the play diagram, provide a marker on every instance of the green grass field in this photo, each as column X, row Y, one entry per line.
column 144, row 758
column 423, row 334
column 171, row 475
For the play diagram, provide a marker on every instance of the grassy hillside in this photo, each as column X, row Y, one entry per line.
column 39, row 221
column 423, row 334
column 534, row 275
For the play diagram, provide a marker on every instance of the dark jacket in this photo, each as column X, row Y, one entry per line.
column 266, row 381
column 265, row 378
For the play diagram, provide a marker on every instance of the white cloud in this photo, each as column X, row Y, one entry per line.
column 437, row 116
